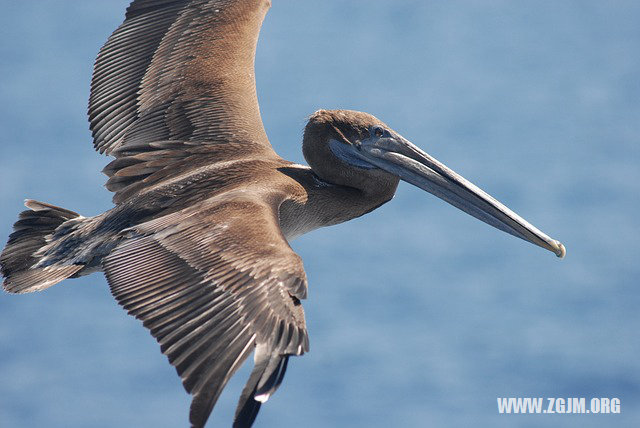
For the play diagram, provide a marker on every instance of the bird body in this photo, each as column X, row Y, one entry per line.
column 196, row 246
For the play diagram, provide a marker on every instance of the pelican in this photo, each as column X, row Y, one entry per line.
column 196, row 246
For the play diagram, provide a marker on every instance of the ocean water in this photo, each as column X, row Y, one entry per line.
column 418, row 314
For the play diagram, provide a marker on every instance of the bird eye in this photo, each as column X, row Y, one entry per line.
column 378, row 131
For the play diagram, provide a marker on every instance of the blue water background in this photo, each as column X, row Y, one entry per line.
column 419, row 315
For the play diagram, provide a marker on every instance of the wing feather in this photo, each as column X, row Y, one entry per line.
column 179, row 70
column 211, row 285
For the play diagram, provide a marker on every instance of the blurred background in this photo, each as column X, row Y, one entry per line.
column 419, row 315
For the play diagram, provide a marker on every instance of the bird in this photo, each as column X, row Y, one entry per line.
column 197, row 243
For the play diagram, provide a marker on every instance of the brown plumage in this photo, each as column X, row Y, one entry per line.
column 196, row 246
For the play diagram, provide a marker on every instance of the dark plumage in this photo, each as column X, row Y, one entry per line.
column 196, row 246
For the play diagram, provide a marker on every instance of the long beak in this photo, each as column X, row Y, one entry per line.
column 402, row 158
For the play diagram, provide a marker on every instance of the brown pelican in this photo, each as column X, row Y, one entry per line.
column 197, row 244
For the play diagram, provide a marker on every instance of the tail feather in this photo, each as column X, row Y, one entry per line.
column 19, row 259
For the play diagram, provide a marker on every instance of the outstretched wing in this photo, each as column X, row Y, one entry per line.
column 212, row 285
column 181, row 71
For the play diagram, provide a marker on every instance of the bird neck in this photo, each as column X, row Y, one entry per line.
column 321, row 203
